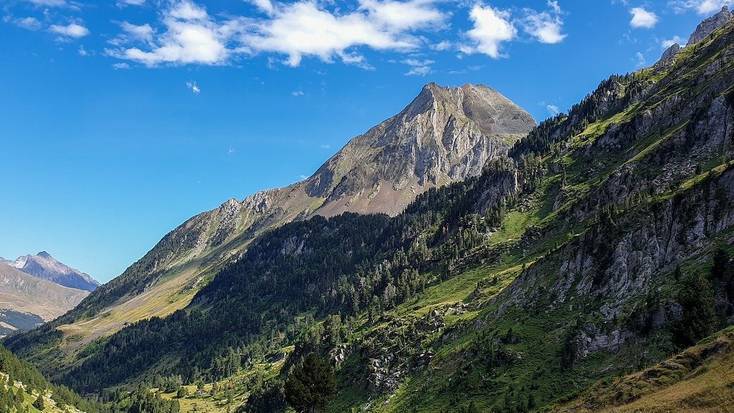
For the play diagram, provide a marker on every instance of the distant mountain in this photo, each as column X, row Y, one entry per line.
column 27, row 301
column 43, row 265
column 445, row 135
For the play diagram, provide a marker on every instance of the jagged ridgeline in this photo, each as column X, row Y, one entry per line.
column 602, row 244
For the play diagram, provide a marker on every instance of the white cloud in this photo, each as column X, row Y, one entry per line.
column 193, row 87
column 666, row 43
column 264, row 5
column 545, row 26
column 303, row 29
column 325, row 146
column 188, row 10
column 491, row 28
column 552, row 109
column 408, row 15
column 121, row 66
column 28, row 23
column 130, row 2
column 49, row 3
column 702, row 7
column 72, row 30
column 190, row 36
column 143, row 32
column 642, row 18
column 297, row 93
column 82, row 51
column 418, row 67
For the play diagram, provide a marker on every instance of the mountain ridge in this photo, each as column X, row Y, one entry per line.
column 425, row 145
column 45, row 266
column 26, row 300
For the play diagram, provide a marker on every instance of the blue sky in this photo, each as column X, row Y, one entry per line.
column 121, row 119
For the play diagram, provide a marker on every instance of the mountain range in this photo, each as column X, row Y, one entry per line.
column 455, row 257
column 38, row 288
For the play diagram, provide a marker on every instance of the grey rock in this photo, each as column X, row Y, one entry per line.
column 710, row 25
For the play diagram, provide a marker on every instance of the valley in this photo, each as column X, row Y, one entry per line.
column 454, row 258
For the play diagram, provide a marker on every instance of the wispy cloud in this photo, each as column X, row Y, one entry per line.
column 418, row 67
column 552, row 109
column 297, row 93
column 642, row 18
column 72, row 30
column 130, row 2
column 640, row 59
column 702, row 7
column 666, row 43
column 194, row 87
column 28, row 23
column 49, row 3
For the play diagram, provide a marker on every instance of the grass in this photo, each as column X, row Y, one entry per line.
column 699, row 379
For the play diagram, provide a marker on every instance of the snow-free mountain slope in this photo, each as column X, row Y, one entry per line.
column 444, row 135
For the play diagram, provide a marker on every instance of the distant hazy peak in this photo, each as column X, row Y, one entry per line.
column 45, row 266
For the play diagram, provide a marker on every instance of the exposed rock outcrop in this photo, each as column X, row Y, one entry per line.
column 708, row 26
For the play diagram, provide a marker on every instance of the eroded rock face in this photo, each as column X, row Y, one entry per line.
column 444, row 135
column 710, row 25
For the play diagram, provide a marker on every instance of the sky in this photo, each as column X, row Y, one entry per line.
column 120, row 119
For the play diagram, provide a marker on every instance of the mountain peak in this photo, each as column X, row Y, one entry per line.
column 43, row 265
column 445, row 134
column 709, row 25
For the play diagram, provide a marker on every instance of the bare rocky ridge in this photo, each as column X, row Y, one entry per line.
column 703, row 30
column 444, row 135
column 708, row 26
column 44, row 266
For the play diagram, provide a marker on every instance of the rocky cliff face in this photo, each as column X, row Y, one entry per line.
column 708, row 26
column 444, row 135
column 43, row 265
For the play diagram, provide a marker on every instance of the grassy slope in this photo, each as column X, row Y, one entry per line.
column 699, row 379
column 31, row 396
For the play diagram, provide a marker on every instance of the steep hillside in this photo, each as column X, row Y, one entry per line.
column 44, row 266
column 23, row 389
column 27, row 301
column 444, row 135
column 700, row 379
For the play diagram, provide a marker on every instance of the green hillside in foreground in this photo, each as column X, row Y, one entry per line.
column 602, row 245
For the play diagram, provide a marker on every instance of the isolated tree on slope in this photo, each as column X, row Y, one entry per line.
column 311, row 385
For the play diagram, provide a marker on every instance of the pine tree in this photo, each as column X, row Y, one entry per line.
column 311, row 385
